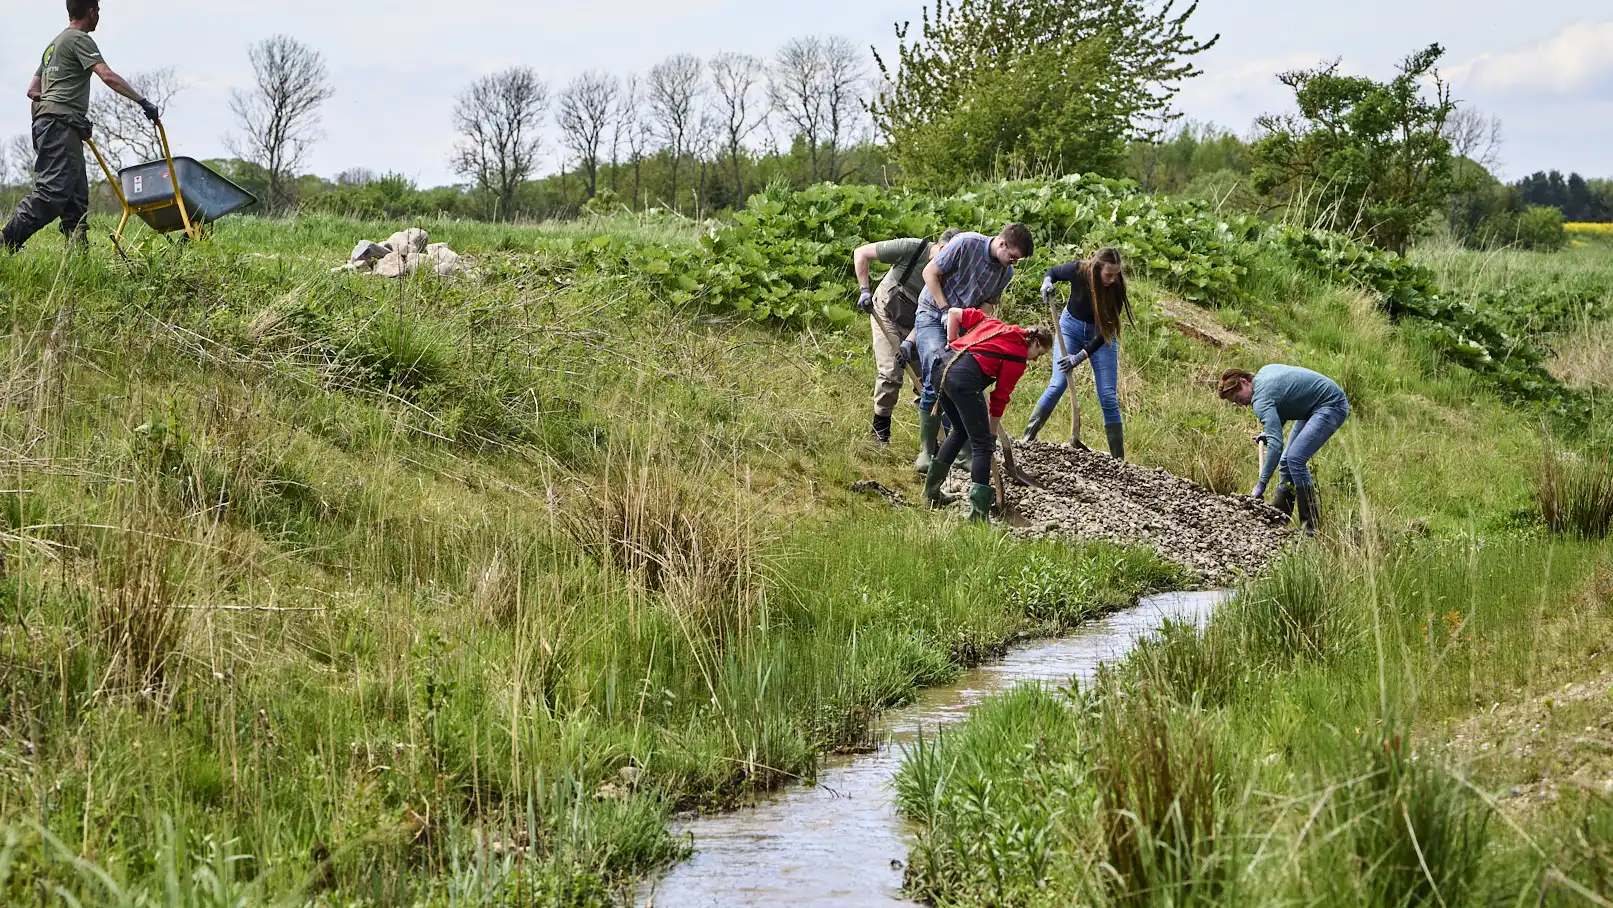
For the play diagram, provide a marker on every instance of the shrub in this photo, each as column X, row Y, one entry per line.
column 1538, row 228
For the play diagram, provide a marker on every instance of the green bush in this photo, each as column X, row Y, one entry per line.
column 1537, row 228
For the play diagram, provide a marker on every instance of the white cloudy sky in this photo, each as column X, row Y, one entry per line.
column 1545, row 67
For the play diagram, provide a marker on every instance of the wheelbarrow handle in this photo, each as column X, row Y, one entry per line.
column 173, row 177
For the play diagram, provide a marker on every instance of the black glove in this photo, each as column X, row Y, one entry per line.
column 1070, row 361
column 866, row 302
column 152, row 113
column 907, row 353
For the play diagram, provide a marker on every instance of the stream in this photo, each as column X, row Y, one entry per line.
column 840, row 842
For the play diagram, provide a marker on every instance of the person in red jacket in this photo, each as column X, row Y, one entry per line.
column 986, row 353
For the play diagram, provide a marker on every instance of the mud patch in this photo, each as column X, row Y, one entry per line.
column 1088, row 495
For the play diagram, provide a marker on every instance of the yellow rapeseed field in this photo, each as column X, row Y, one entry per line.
column 1596, row 229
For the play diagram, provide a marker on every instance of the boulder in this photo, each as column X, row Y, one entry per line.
column 440, row 253
column 393, row 265
column 406, row 241
column 367, row 252
column 416, row 261
column 449, row 269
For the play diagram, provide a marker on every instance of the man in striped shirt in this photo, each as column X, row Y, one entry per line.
column 971, row 273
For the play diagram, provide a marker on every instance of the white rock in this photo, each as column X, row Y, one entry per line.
column 367, row 252
column 440, row 253
column 449, row 269
column 393, row 265
column 417, row 261
column 406, row 241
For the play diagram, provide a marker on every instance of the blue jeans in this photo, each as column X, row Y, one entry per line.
column 1105, row 369
column 930, row 335
column 1306, row 438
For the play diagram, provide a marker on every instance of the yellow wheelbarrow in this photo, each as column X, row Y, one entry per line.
column 172, row 194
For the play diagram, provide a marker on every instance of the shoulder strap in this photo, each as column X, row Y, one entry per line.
column 913, row 262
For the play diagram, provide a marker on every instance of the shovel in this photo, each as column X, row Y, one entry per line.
column 1012, row 466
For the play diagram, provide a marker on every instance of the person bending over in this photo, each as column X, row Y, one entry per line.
column 1090, row 324
column 971, row 273
column 986, row 353
column 891, row 310
column 1317, row 407
column 60, row 92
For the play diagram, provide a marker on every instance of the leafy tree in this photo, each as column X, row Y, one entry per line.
column 1031, row 85
column 1368, row 157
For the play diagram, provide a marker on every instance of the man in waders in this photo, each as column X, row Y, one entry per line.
column 60, row 93
column 972, row 273
column 891, row 310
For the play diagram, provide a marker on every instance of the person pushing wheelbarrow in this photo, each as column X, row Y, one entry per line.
column 60, row 92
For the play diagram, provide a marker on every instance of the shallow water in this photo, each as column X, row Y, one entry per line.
column 841, row 842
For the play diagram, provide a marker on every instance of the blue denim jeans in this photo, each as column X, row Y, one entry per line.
column 930, row 335
column 1306, row 438
column 1105, row 369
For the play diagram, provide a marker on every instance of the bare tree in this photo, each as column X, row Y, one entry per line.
column 278, row 117
column 500, row 117
column 735, row 77
column 704, row 144
column 1474, row 136
column 795, row 88
column 20, row 152
column 356, row 176
column 633, row 131
column 845, row 78
column 586, row 107
column 122, row 131
column 675, row 88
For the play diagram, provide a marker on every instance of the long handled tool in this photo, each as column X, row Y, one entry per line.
column 1069, row 384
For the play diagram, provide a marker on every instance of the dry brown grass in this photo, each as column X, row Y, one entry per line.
column 1584, row 359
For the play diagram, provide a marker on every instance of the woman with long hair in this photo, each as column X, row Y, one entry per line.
column 1090, row 325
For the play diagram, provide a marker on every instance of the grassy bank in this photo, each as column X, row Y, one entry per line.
column 324, row 587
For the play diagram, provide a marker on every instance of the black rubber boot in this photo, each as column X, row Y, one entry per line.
column 1038, row 420
column 882, row 429
column 1310, row 516
column 1284, row 500
column 932, row 486
column 1117, row 439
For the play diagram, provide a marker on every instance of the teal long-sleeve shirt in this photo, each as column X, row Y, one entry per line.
column 1286, row 393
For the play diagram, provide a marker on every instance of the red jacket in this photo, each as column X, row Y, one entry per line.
column 985, row 336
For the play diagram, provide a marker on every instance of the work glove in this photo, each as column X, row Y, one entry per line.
column 908, row 352
column 866, row 302
column 1259, row 491
column 1068, row 362
column 152, row 113
column 1047, row 289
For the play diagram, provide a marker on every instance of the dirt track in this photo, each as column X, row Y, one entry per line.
column 1092, row 496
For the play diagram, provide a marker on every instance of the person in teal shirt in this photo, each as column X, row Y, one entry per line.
column 1317, row 407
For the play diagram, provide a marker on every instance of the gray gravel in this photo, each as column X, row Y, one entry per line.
column 1089, row 495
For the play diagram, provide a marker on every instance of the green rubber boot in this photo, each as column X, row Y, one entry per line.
column 1284, row 500
column 932, row 486
column 929, row 440
column 981, row 498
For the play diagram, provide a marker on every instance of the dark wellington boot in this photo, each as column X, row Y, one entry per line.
column 981, row 498
column 1034, row 427
column 1310, row 515
column 881, row 433
column 1117, row 440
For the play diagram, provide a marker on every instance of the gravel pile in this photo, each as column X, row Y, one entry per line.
column 1093, row 496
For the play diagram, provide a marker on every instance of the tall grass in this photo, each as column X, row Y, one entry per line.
column 1575, row 493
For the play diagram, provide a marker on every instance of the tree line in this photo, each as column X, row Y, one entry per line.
column 977, row 90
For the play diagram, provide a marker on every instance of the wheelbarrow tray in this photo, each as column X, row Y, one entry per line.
column 149, row 189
